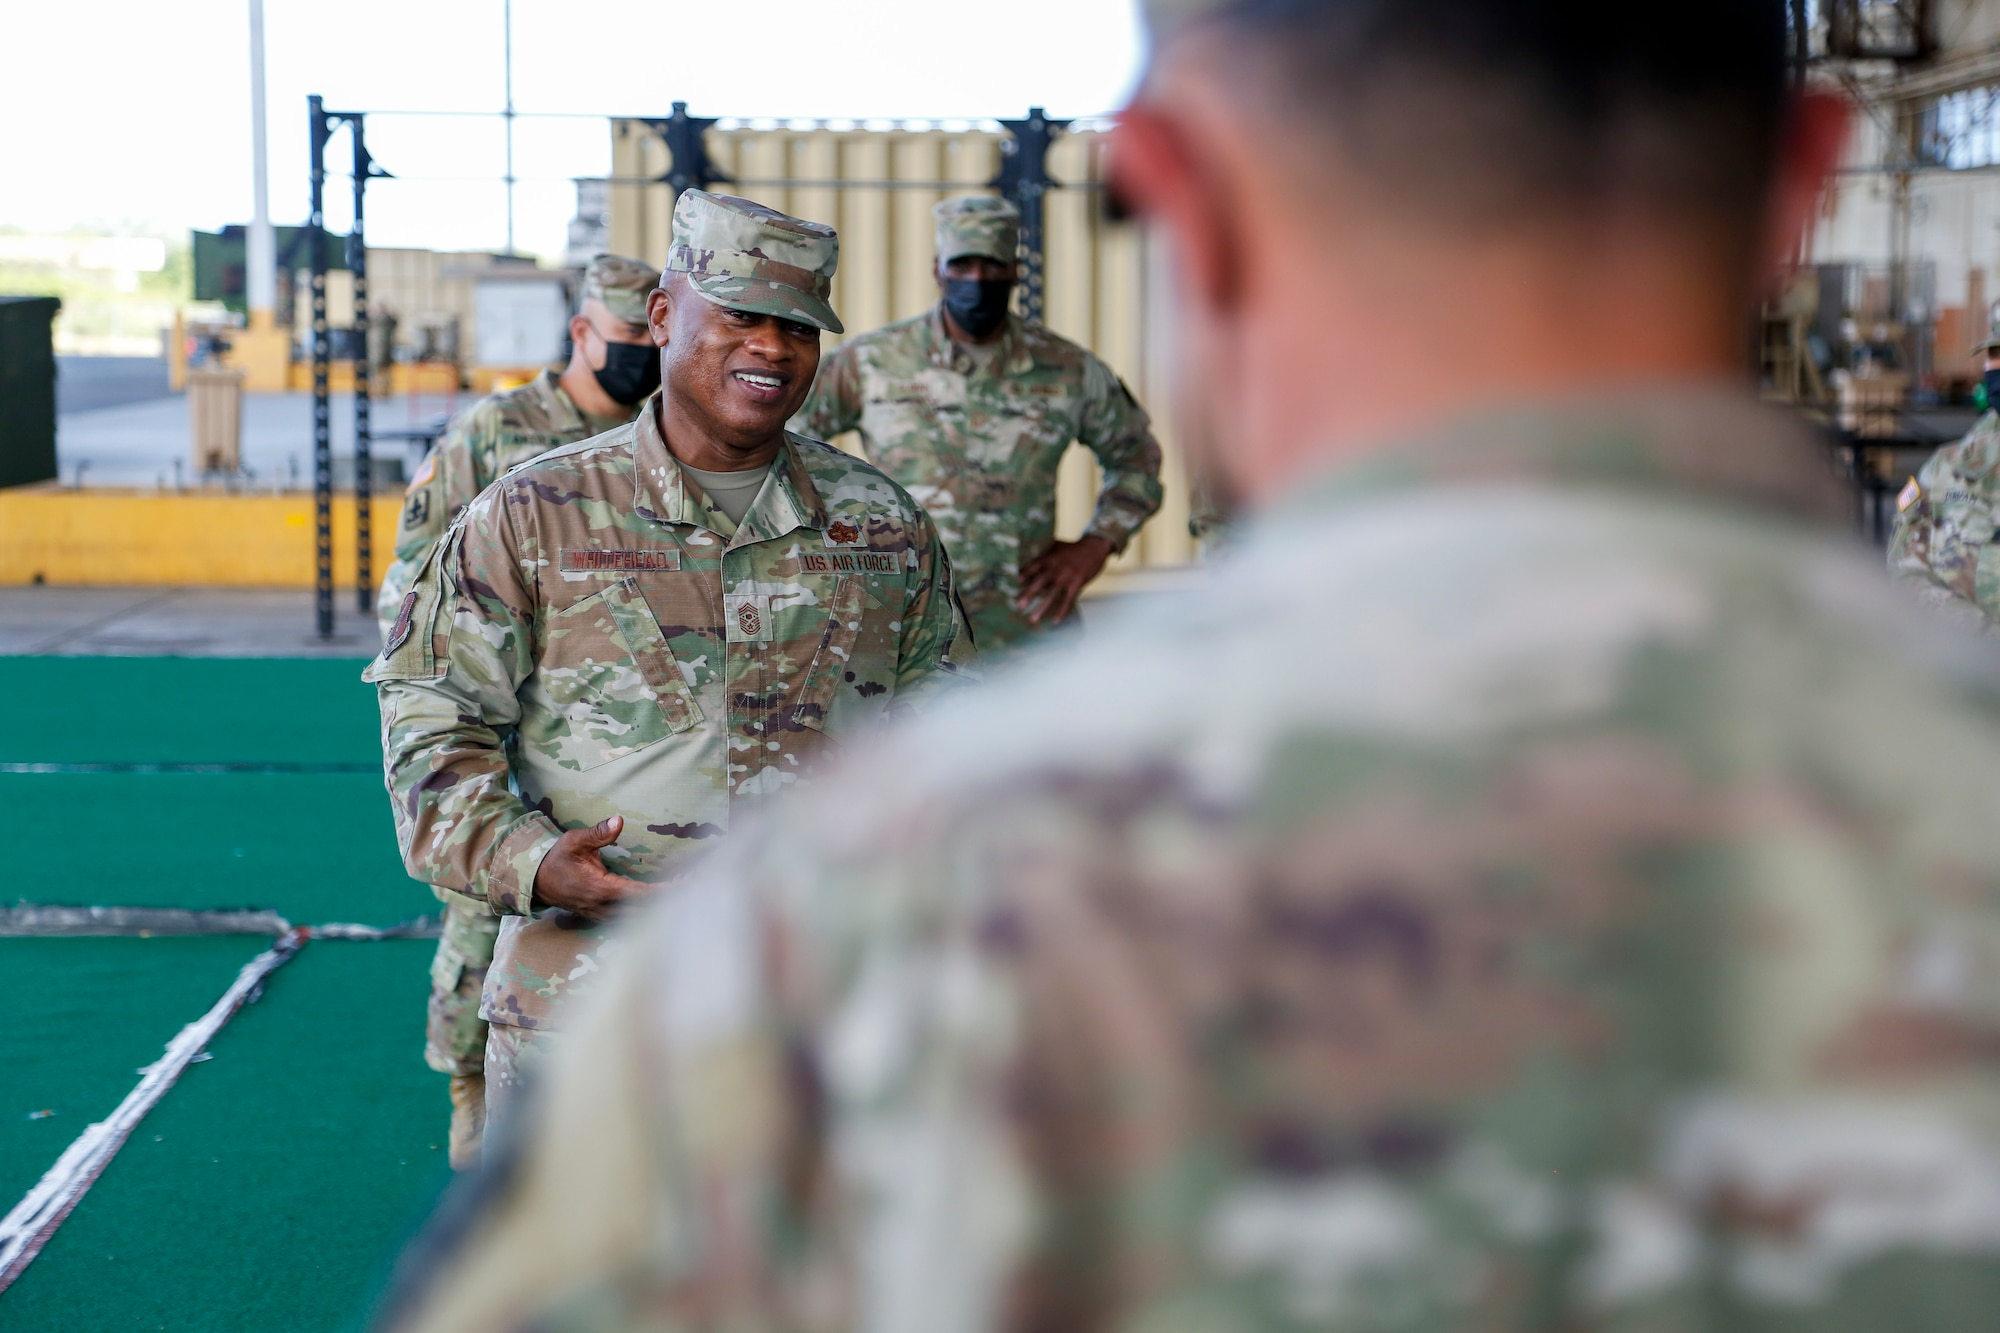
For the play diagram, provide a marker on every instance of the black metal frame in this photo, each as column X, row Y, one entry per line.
column 1023, row 178
column 688, row 167
column 323, row 123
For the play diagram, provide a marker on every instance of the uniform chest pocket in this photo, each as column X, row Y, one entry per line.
column 854, row 667
column 611, row 682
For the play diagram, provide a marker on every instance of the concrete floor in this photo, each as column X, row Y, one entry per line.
column 232, row 622
column 177, row 622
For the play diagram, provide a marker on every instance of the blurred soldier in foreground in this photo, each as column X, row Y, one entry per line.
column 1544, row 880
column 624, row 639
column 972, row 409
column 612, row 368
column 1946, row 544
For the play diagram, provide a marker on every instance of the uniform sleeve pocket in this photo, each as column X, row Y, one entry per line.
column 638, row 630
column 843, row 657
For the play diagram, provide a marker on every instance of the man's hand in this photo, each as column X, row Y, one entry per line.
column 572, row 876
column 1050, row 582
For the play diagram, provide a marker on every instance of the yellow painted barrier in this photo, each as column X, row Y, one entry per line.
column 188, row 540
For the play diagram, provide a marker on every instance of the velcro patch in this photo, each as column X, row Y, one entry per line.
column 1910, row 495
column 747, row 619
column 850, row 562
column 594, row 561
column 401, row 630
column 840, row 532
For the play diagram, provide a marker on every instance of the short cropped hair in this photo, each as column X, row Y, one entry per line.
column 1503, row 108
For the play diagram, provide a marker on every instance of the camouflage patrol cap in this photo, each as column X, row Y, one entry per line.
column 622, row 284
column 745, row 256
column 978, row 224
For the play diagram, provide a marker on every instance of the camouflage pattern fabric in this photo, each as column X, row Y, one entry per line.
column 455, row 1036
column 745, row 256
column 1945, row 547
column 978, row 224
column 978, row 441
column 598, row 618
column 515, row 1058
column 484, row 440
column 623, row 285
column 1606, row 936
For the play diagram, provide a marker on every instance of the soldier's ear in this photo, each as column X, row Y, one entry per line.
column 660, row 315
column 1166, row 173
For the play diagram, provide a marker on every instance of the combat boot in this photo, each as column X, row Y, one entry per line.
column 468, row 1119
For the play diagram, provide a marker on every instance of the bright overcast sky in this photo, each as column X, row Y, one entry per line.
column 136, row 115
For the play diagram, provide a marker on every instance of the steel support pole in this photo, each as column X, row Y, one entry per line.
column 1024, row 178
column 322, row 416
column 364, row 479
column 690, row 168
column 507, row 116
column 260, row 251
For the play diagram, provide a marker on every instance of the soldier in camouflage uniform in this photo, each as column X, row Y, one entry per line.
column 972, row 409
column 1946, row 544
column 634, row 635
column 596, row 392
column 1544, row 881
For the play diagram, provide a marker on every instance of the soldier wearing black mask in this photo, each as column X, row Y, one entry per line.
column 971, row 409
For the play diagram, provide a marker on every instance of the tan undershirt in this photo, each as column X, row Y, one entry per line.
column 733, row 492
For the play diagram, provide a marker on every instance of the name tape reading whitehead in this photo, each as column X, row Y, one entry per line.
column 617, row 562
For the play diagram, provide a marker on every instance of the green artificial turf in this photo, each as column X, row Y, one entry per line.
column 273, row 1185
column 87, row 1013
column 314, row 847
column 186, row 710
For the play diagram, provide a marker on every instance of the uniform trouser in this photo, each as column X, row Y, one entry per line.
column 514, row 1059
column 454, row 1034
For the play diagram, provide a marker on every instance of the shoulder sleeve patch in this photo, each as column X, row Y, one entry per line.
column 415, row 649
column 1909, row 495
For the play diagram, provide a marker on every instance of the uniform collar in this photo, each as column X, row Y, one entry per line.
column 1705, row 440
column 563, row 413
column 1012, row 354
column 562, row 409
column 663, row 493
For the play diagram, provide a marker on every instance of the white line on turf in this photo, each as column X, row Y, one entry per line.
column 25, row 1230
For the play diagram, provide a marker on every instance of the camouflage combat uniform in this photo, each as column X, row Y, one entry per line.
column 1541, row 881
column 486, row 439
column 1946, row 543
column 598, row 620
column 978, row 439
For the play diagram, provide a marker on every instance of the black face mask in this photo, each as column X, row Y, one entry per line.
column 977, row 305
column 1992, row 389
column 631, row 371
